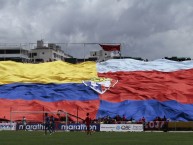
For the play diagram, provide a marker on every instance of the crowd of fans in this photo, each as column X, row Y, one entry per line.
column 108, row 120
column 122, row 119
column 117, row 120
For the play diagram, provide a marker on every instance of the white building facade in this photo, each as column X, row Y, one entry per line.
column 14, row 52
column 52, row 52
column 40, row 53
column 102, row 55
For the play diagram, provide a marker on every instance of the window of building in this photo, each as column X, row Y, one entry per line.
column 13, row 51
column 34, row 54
column 2, row 51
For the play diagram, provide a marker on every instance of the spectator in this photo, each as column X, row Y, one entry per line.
column 133, row 120
column 124, row 118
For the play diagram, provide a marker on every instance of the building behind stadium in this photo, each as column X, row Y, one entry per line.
column 46, row 52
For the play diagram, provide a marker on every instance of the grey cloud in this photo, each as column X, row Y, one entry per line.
column 146, row 28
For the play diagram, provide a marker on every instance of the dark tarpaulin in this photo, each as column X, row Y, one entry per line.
column 110, row 47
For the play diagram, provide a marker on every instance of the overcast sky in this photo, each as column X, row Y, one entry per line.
column 146, row 28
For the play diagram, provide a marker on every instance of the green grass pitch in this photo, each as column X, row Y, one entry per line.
column 97, row 138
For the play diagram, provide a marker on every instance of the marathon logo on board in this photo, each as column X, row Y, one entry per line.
column 32, row 126
column 59, row 126
column 78, row 127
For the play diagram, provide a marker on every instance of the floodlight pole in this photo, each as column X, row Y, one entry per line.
column 84, row 52
column 77, row 115
column 120, row 49
column 66, row 120
column 10, row 117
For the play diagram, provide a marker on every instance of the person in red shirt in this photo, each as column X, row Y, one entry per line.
column 87, row 122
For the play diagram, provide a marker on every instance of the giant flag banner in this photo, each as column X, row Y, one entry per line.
column 46, row 87
column 128, row 87
column 148, row 89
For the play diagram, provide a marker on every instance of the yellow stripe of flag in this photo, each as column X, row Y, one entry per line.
column 50, row 72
